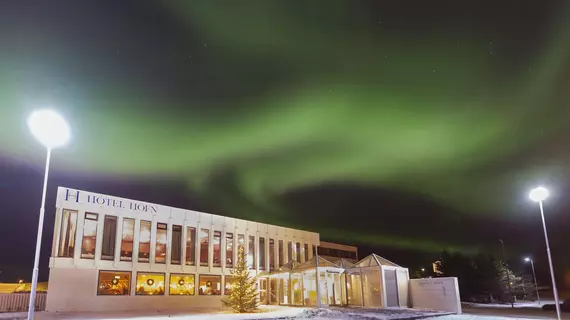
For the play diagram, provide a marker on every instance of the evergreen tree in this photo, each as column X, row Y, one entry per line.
column 243, row 295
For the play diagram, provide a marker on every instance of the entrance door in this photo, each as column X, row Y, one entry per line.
column 337, row 289
column 333, row 289
column 263, row 290
column 391, row 288
column 273, row 291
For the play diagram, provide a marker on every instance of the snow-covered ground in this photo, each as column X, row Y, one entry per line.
column 363, row 314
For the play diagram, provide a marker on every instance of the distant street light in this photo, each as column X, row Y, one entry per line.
column 527, row 259
column 51, row 130
column 423, row 269
column 538, row 195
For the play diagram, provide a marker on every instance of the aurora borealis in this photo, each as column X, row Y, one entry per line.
column 440, row 114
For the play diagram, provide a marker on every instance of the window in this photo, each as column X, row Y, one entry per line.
column 261, row 253
column 144, row 241
column 281, row 253
column 306, row 252
column 204, row 246
column 298, row 252
column 217, row 244
column 151, row 284
column 229, row 250
column 67, row 233
column 114, row 283
column 160, row 249
column 210, row 285
column 271, row 254
column 127, row 239
column 228, row 282
column 290, row 251
column 109, row 238
column 176, row 254
column 241, row 241
column 181, row 284
column 89, row 236
column 251, row 252
column 191, row 246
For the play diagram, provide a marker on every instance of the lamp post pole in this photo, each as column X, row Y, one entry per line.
column 556, row 301
column 31, row 307
column 535, row 282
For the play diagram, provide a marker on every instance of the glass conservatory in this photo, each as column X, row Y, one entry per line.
column 371, row 282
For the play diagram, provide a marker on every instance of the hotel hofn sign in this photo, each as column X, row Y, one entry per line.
column 77, row 196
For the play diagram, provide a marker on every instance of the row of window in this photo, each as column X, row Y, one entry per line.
column 69, row 228
column 153, row 284
column 337, row 253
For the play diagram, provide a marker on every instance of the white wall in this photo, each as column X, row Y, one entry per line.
column 440, row 294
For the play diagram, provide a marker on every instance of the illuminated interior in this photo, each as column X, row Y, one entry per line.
column 114, row 283
column 150, row 284
column 181, row 284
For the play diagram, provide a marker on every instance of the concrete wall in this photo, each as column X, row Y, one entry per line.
column 440, row 294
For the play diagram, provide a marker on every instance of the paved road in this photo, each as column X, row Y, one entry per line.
column 502, row 313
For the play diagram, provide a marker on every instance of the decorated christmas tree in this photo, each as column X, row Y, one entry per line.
column 243, row 290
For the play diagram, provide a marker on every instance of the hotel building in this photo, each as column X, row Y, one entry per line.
column 114, row 254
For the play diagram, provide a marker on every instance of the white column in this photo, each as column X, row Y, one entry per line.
column 136, row 242
column 168, row 243
column 118, row 241
column 153, row 229
column 99, row 239
column 183, row 244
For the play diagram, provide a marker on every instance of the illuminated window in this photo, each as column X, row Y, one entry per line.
column 191, row 246
column 281, row 253
column 89, row 236
column 306, row 252
column 181, row 284
column 160, row 252
column 290, row 251
column 109, row 238
column 261, row 253
column 151, row 284
column 67, row 233
column 251, row 252
column 229, row 250
column 271, row 254
column 298, row 252
column 204, row 246
column 228, row 282
column 144, row 241
column 176, row 254
column 127, row 239
column 115, row 283
column 210, row 285
column 217, row 244
column 241, row 241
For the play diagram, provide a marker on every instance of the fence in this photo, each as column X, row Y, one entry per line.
column 18, row 302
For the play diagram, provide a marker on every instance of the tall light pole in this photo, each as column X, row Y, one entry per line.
column 51, row 130
column 538, row 195
column 534, row 277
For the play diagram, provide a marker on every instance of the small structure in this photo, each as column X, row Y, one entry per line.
column 371, row 282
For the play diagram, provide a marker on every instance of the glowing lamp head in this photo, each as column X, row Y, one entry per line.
column 49, row 128
column 527, row 259
column 538, row 194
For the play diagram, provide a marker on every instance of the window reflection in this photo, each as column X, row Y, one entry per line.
column 228, row 282
column 210, row 285
column 271, row 254
column 204, row 246
column 306, row 252
column 160, row 253
column 251, row 252
column 176, row 253
column 281, row 253
column 114, row 283
column 261, row 253
column 67, row 233
column 229, row 250
column 181, row 284
column 150, row 283
column 298, row 252
column 191, row 246
column 127, row 239
column 109, row 238
column 89, row 236
column 144, row 241
column 217, row 243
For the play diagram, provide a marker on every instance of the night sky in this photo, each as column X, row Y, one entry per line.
column 403, row 126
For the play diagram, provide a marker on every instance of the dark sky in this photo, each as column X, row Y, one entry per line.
column 405, row 127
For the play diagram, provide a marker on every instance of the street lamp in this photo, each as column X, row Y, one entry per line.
column 538, row 195
column 51, row 130
column 527, row 259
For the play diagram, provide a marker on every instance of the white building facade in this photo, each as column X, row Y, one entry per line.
column 112, row 254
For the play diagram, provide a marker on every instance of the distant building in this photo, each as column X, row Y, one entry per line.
column 437, row 268
column 336, row 250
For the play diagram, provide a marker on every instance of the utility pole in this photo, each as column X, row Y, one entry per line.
column 508, row 274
